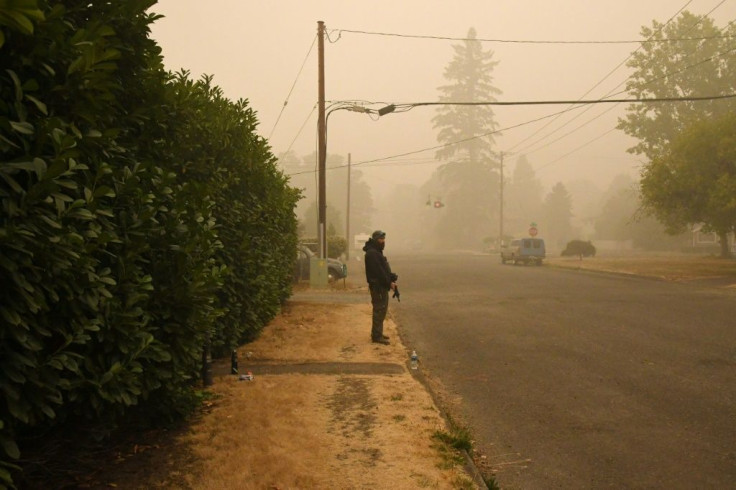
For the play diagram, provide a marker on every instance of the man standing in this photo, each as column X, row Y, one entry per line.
column 380, row 281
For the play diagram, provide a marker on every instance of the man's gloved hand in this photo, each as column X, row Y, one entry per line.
column 397, row 295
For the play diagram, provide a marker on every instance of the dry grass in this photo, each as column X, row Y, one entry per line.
column 668, row 267
column 297, row 431
column 318, row 333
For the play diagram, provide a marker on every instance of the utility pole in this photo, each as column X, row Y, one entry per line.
column 322, row 141
column 347, row 215
column 500, row 218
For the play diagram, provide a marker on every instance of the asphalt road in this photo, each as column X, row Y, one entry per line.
column 572, row 379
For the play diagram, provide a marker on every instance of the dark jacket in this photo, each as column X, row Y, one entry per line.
column 377, row 270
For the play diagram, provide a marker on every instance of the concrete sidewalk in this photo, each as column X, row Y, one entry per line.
column 327, row 408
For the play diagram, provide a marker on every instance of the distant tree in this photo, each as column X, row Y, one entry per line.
column 649, row 234
column 618, row 207
column 586, row 199
column 431, row 218
column 616, row 216
column 558, row 213
column 675, row 188
column 621, row 182
column 678, row 69
column 290, row 163
column 469, row 178
column 622, row 218
column 335, row 220
column 694, row 180
column 523, row 198
column 301, row 175
column 361, row 199
column 406, row 218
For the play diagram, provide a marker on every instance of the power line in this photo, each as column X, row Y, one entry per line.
column 409, row 106
column 599, row 115
column 610, row 93
column 575, row 149
column 580, row 103
column 292, row 87
column 302, row 128
column 574, row 102
column 527, row 152
column 622, row 63
column 433, row 147
column 525, row 41
column 666, row 75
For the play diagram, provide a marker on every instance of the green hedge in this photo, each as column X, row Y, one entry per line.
column 141, row 220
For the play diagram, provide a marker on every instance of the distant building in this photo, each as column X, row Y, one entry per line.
column 359, row 240
column 707, row 240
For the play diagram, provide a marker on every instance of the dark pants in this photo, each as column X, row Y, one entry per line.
column 379, row 299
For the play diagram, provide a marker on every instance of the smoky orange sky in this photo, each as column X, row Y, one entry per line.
column 260, row 50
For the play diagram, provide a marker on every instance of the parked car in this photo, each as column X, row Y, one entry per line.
column 336, row 269
column 524, row 250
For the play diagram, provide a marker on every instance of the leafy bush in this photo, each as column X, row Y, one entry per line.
column 579, row 248
column 142, row 220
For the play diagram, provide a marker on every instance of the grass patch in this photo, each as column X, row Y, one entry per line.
column 459, row 438
column 447, row 446
column 206, row 395
column 450, row 446
column 491, row 483
column 423, row 481
column 463, row 483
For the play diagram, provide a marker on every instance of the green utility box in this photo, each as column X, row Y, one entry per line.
column 318, row 272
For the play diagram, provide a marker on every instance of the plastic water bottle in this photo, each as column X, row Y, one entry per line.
column 414, row 359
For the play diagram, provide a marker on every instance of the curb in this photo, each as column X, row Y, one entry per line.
column 418, row 374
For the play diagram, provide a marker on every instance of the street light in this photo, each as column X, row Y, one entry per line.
column 322, row 136
column 322, row 204
column 386, row 110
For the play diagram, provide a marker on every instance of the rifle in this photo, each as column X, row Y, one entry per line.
column 397, row 295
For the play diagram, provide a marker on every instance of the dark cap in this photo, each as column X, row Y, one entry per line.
column 378, row 234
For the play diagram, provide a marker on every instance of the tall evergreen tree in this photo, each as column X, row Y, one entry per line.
column 558, row 213
column 523, row 199
column 470, row 175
